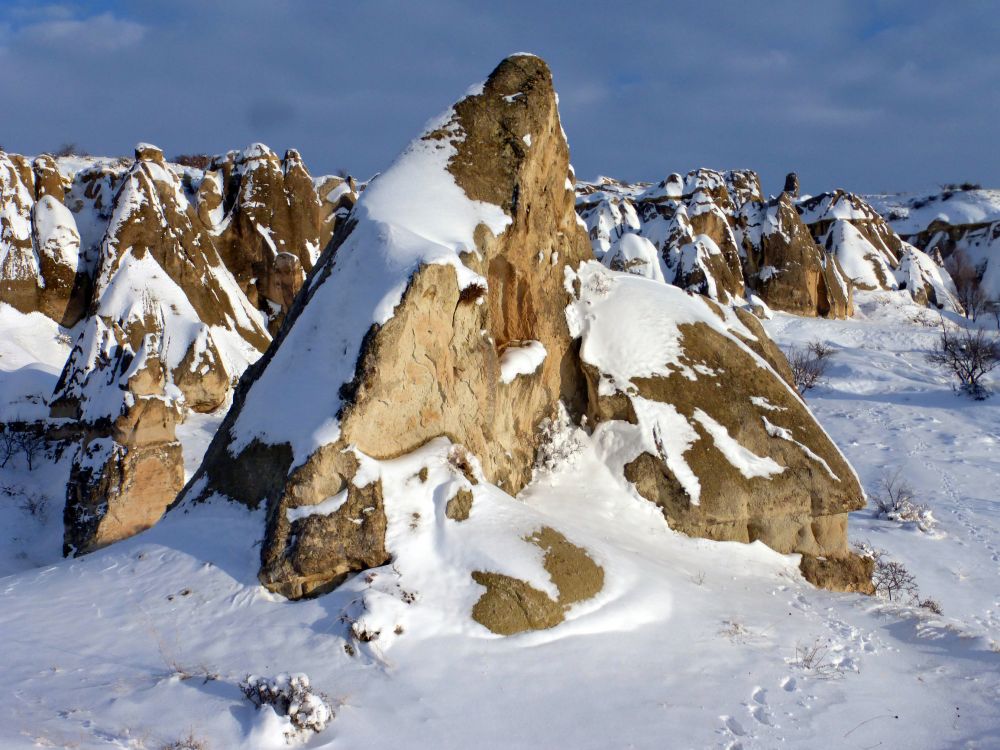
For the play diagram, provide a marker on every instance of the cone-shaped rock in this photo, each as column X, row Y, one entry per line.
column 457, row 304
column 451, row 265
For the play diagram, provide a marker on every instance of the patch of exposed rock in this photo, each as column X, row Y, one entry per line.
column 696, row 408
column 271, row 221
column 39, row 241
column 871, row 254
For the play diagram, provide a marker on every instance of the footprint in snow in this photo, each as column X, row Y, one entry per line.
column 789, row 685
column 758, row 706
column 733, row 726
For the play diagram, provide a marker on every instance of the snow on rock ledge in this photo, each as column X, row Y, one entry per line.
column 521, row 359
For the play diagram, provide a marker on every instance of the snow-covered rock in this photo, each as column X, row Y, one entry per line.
column 168, row 329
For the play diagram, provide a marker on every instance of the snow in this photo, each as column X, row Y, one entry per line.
column 412, row 214
column 521, row 359
column 859, row 258
column 747, row 463
column 691, row 639
column 910, row 214
column 33, row 349
column 324, row 508
column 55, row 231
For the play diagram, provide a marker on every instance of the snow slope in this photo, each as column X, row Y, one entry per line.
column 691, row 643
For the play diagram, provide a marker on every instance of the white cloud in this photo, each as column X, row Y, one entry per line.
column 101, row 33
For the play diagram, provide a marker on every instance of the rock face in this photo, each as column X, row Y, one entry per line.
column 487, row 277
column 39, row 241
column 749, row 465
column 167, row 331
column 456, row 311
column 717, row 236
column 786, row 267
column 871, row 254
column 266, row 212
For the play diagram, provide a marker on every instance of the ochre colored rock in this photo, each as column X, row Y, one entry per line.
column 511, row 605
column 839, row 573
column 787, row 268
column 433, row 368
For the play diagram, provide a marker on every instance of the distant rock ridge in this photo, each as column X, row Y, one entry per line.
column 466, row 256
column 716, row 235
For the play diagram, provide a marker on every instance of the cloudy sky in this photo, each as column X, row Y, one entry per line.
column 868, row 95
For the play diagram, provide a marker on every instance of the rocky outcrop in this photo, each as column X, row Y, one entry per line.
column 455, row 312
column 435, row 329
column 786, row 267
column 748, row 465
column 717, row 236
column 264, row 212
column 871, row 254
column 167, row 331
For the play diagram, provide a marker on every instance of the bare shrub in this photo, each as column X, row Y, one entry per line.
column 36, row 506
column 809, row 364
column 815, row 659
column 70, row 149
column 895, row 582
column 891, row 579
column 32, row 444
column 966, row 276
column 197, row 161
column 969, row 355
column 189, row 742
column 290, row 695
column 895, row 500
column 932, row 605
column 8, row 445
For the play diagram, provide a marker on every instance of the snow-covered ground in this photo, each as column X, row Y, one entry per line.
column 692, row 643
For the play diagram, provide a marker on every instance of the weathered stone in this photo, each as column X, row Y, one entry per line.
column 511, row 605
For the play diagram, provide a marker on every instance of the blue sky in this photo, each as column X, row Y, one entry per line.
column 870, row 96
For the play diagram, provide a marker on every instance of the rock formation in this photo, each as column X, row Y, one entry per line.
column 425, row 308
column 717, row 236
column 786, row 267
column 270, row 221
column 748, row 465
column 456, row 311
column 870, row 253
column 167, row 330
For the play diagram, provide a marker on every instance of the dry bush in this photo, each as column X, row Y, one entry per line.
column 290, row 695
column 70, row 149
column 197, row 161
column 895, row 500
column 891, row 579
column 189, row 742
column 809, row 364
column 966, row 276
column 969, row 355
column 814, row 658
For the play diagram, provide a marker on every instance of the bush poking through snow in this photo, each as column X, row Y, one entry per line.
column 891, row 579
column 559, row 445
column 809, row 364
column 815, row 659
column 290, row 695
column 13, row 441
column 969, row 355
column 190, row 742
column 894, row 500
